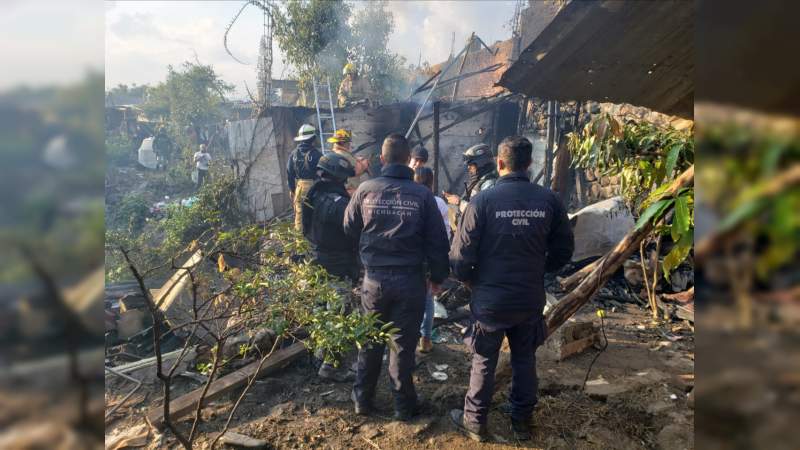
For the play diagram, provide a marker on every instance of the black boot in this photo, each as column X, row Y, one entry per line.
column 362, row 409
column 522, row 429
column 475, row 432
column 405, row 414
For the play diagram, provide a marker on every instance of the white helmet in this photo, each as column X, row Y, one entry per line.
column 306, row 132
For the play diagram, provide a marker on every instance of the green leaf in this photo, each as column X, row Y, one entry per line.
column 680, row 223
column 672, row 158
column 743, row 212
column 658, row 192
column 654, row 211
column 678, row 253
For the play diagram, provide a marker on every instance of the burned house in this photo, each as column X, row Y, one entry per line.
column 260, row 147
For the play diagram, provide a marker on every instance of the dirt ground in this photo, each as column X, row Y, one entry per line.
column 643, row 401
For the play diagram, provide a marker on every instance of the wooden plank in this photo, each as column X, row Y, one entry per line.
column 173, row 288
column 187, row 403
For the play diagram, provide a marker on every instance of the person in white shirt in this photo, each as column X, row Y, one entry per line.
column 201, row 160
column 424, row 176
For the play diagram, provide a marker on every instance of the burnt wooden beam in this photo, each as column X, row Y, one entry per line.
column 185, row 404
column 570, row 303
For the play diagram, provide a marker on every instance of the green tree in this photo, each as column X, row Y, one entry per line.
column 313, row 36
column 123, row 94
column 191, row 96
column 647, row 159
column 370, row 29
column 319, row 37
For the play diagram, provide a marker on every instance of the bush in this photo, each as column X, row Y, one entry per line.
column 131, row 213
column 119, row 148
column 216, row 207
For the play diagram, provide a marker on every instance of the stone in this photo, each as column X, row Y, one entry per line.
column 242, row 441
column 281, row 410
column 371, row 431
column 609, row 191
column 595, row 191
column 572, row 338
column 633, row 272
column 680, row 279
column 262, row 340
column 599, row 227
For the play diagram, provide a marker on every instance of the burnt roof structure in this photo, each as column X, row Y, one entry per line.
column 610, row 51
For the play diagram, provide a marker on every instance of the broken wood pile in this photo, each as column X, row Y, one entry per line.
column 608, row 264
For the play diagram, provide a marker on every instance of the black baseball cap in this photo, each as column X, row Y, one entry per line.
column 420, row 153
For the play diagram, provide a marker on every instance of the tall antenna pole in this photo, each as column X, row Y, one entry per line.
column 516, row 29
column 264, row 67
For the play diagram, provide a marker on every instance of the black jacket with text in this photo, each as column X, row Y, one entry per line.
column 508, row 238
column 397, row 223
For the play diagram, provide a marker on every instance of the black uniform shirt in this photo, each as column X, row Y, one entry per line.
column 302, row 164
column 323, row 213
column 508, row 237
column 398, row 223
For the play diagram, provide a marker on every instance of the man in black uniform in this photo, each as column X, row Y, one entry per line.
column 509, row 237
column 331, row 248
column 301, row 170
column 482, row 175
column 400, row 230
column 323, row 214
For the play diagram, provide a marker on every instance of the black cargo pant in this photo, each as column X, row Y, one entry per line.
column 397, row 295
column 523, row 338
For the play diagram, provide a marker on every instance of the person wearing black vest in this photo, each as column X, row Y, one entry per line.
column 301, row 170
column 400, row 232
column 481, row 175
column 331, row 248
column 323, row 214
column 509, row 236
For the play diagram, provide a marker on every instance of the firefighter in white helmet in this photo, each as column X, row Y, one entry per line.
column 301, row 170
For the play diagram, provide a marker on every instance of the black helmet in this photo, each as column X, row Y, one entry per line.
column 336, row 166
column 479, row 154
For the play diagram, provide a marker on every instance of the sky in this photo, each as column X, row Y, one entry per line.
column 143, row 37
column 48, row 42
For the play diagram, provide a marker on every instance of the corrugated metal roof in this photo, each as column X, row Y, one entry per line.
column 482, row 85
column 637, row 52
